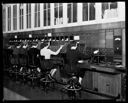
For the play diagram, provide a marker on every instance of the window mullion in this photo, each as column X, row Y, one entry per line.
column 88, row 11
column 46, row 14
column 72, row 13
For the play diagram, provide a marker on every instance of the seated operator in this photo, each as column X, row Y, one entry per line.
column 33, row 54
column 46, row 52
column 73, row 56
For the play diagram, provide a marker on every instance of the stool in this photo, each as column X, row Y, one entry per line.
column 47, row 82
column 73, row 88
column 23, row 74
column 33, row 76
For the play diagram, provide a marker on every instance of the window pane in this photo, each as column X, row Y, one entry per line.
column 60, row 4
column 9, row 18
column 56, row 12
column 113, row 5
column 29, row 20
column 38, row 7
column 85, row 12
column 44, row 17
column 22, row 22
column 56, row 4
column 14, row 11
column 35, row 7
column 14, row 17
column 4, row 20
column 38, row 19
column 56, row 15
column 48, row 5
column 29, row 8
column 44, row 5
column 60, row 11
column 35, row 19
column 92, row 11
column 104, row 7
column 69, row 13
column 48, row 16
column 74, row 12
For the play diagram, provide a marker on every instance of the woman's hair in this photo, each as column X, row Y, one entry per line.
column 44, row 44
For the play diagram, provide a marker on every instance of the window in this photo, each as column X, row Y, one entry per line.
column 28, row 15
column 37, row 15
column 72, row 12
column 109, row 10
column 4, row 19
column 58, row 13
column 88, row 11
column 21, row 18
column 15, row 17
column 9, row 18
column 91, row 11
column 85, row 11
column 47, row 14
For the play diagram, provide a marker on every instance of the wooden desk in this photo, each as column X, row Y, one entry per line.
column 105, row 79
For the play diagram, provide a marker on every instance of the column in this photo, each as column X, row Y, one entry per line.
column 98, row 11
column 52, row 14
column 41, row 15
column 79, row 12
column 65, row 13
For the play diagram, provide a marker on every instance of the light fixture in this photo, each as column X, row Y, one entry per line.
column 30, row 35
column 76, row 37
column 49, row 34
column 66, row 39
column 15, row 37
column 117, row 38
column 42, row 39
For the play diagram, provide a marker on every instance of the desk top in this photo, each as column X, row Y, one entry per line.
column 112, row 69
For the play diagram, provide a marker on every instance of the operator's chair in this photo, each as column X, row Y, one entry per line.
column 33, row 66
column 46, row 80
column 23, row 66
column 15, row 64
column 73, row 87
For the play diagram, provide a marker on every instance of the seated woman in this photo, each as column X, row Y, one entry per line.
column 73, row 56
column 46, row 64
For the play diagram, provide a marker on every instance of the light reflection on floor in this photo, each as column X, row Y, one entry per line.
column 10, row 95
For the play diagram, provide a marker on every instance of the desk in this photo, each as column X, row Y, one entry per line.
column 102, row 69
column 106, row 79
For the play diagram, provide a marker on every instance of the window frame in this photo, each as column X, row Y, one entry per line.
column 72, row 12
column 28, row 15
column 15, row 17
column 109, row 8
column 37, row 15
column 57, row 7
column 47, row 9
column 21, row 16
column 4, row 19
column 9, row 18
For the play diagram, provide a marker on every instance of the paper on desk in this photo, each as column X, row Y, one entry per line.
column 119, row 66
